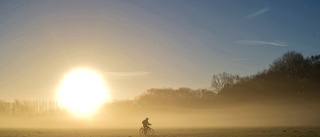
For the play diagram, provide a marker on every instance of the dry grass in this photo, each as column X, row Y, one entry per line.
column 227, row 132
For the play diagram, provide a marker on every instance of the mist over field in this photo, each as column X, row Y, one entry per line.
column 268, row 114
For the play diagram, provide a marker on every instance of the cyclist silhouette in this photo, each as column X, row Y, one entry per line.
column 145, row 124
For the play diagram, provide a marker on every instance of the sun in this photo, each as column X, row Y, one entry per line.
column 82, row 91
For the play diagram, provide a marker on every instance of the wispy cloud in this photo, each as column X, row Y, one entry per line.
column 129, row 74
column 257, row 13
column 254, row 42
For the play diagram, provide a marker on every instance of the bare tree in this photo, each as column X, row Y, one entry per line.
column 222, row 80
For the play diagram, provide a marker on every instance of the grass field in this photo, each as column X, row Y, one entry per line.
column 226, row 132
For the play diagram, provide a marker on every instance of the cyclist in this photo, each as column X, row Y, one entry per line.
column 145, row 125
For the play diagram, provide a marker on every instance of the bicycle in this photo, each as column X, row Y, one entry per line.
column 149, row 131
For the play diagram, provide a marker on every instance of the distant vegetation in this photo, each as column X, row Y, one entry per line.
column 289, row 79
column 27, row 108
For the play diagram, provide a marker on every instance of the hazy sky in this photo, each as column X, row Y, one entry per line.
column 144, row 44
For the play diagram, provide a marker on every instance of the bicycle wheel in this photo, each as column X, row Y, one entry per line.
column 150, row 131
column 141, row 131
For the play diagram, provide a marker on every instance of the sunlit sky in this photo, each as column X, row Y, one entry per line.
column 137, row 45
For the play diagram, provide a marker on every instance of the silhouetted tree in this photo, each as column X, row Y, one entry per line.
column 223, row 80
column 314, row 75
column 293, row 71
column 290, row 76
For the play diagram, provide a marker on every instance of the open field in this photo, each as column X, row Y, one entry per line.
column 214, row 132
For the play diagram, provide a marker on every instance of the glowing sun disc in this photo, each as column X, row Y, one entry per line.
column 82, row 91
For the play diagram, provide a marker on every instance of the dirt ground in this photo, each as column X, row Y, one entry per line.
column 213, row 132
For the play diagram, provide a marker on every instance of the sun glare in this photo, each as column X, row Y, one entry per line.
column 83, row 91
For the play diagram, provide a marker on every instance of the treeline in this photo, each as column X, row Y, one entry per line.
column 290, row 78
column 176, row 97
column 30, row 108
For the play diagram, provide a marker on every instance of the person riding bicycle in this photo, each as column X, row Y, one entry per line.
column 145, row 125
